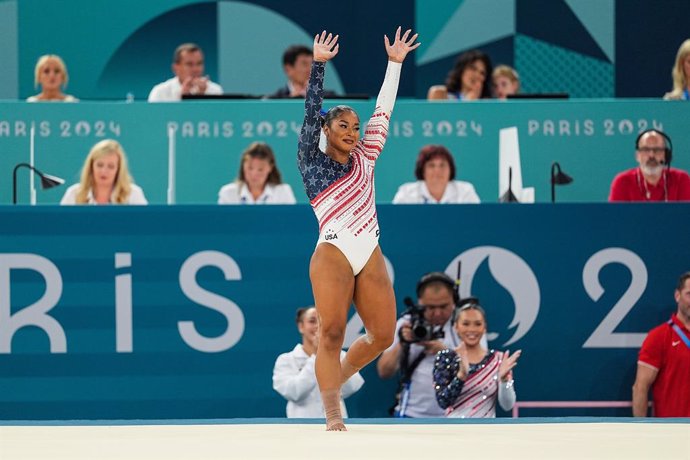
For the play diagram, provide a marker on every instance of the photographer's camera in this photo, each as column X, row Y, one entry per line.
column 422, row 330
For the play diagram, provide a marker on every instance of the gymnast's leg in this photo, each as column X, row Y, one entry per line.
column 375, row 302
column 332, row 283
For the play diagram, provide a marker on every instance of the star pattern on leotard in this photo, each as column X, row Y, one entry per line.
column 318, row 170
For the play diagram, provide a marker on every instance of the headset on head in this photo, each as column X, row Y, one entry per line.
column 668, row 145
column 440, row 277
column 437, row 277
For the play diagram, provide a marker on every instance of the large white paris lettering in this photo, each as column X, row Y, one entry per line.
column 604, row 335
column 225, row 306
column 36, row 313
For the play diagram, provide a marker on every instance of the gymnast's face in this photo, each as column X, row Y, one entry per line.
column 342, row 134
column 308, row 326
column 470, row 326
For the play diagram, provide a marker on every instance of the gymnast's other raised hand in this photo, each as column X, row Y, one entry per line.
column 464, row 368
column 325, row 47
column 401, row 46
column 505, row 371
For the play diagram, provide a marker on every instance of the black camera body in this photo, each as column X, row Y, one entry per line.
column 422, row 330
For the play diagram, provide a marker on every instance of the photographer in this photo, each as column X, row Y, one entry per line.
column 413, row 351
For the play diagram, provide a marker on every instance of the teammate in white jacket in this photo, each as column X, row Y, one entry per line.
column 294, row 376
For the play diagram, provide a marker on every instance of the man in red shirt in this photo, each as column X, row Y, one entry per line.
column 664, row 362
column 653, row 179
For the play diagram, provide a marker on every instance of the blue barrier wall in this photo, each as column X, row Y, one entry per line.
column 179, row 312
column 592, row 140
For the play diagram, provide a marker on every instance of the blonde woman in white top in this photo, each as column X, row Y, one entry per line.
column 505, row 81
column 105, row 178
column 51, row 75
column 258, row 180
column 681, row 74
column 435, row 173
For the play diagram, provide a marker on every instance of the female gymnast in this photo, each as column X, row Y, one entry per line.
column 470, row 379
column 347, row 264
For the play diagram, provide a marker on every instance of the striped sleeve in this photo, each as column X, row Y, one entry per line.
column 377, row 129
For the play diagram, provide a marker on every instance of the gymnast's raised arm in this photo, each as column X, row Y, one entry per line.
column 377, row 128
column 325, row 49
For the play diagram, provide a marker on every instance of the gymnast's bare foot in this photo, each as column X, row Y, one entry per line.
column 335, row 425
column 331, row 406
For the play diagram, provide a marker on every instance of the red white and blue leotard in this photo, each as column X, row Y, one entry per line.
column 342, row 195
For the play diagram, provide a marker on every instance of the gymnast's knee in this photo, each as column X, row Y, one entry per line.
column 379, row 340
column 331, row 338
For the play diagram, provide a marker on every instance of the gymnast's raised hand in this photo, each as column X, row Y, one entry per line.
column 401, row 45
column 325, row 47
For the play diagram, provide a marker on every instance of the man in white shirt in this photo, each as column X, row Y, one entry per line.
column 188, row 67
column 413, row 356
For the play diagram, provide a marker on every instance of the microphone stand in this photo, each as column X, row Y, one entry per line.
column 509, row 196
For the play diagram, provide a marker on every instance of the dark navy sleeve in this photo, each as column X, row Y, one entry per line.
column 447, row 385
column 308, row 145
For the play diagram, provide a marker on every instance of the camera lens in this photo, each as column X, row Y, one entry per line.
column 420, row 331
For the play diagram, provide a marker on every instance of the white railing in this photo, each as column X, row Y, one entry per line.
column 568, row 405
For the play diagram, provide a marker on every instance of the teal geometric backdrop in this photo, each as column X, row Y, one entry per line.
column 558, row 46
column 8, row 50
column 588, row 48
column 546, row 68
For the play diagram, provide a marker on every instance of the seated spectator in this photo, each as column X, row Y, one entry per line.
column 258, row 180
column 654, row 179
column 435, row 173
column 51, row 75
column 467, row 80
column 505, row 81
column 470, row 379
column 188, row 67
column 297, row 60
column 105, row 178
column 294, row 376
column 681, row 74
